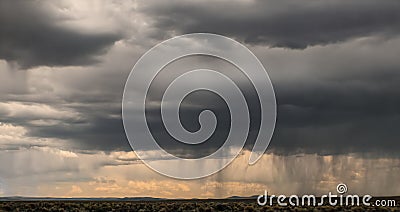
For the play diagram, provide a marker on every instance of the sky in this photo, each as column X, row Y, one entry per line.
column 334, row 66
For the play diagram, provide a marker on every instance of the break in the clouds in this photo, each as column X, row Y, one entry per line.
column 44, row 34
column 67, row 174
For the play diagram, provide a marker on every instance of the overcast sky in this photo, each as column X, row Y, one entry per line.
column 334, row 65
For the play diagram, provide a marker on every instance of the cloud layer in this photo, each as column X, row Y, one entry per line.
column 33, row 35
column 269, row 23
column 63, row 65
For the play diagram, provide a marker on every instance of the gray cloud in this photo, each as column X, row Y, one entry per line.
column 33, row 35
column 338, row 98
column 332, row 99
column 270, row 23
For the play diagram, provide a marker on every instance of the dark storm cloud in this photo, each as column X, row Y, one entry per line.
column 276, row 23
column 338, row 99
column 100, row 129
column 98, row 133
column 333, row 99
column 328, row 119
column 32, row 36
column 194, row 103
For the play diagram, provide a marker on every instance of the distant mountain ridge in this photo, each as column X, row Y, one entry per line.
column 20, row 198
column 147, row 199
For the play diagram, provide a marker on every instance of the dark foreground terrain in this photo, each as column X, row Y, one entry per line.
column 170, row 205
